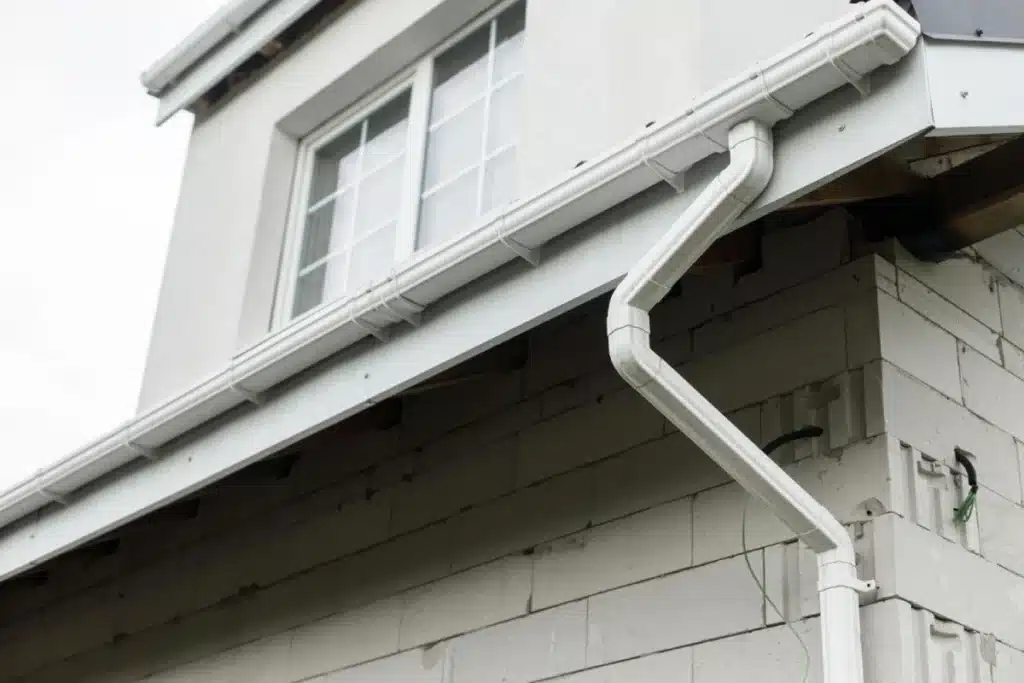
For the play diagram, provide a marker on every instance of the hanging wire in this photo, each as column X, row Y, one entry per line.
column 775, row 444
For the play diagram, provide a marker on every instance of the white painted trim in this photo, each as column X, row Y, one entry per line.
column 970, row 86
column 211, row 67
column 878, row 32
column 229, row 19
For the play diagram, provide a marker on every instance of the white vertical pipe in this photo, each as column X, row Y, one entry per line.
column 748, row 172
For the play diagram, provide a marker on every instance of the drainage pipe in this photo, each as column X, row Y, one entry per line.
column 647, row 283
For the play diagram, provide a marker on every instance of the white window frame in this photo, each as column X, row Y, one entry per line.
column 418, row 81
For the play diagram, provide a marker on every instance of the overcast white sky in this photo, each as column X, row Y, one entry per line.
column 87, row 193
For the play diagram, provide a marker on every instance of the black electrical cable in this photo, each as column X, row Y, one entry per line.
column 802, row 433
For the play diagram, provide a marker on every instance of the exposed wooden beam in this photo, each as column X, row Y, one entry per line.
column 982, row 197
column 883, row 177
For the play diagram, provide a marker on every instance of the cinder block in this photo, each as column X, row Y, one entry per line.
column 1002, row 531
column 657, row 472
column 918, row 566
column 838, row 406
column 1005, row 252
column 863, row 337
column 698, row 604
column 454, row 484
column 216, row 669
column 69, row 628
column 852, row 487
column 959, row 281
column 772, row 655
column 797, row 254
column 356, row 635
column 334, row 458
column 1011, row 357
column 638, row 547
column 428, row 415
column 982, row 337
column 263, row 661
column 580, row 391
column 405, row 562
column 920, row 416
column 810, row 349
column 702, row 296
column 834, row 288
column 567, row 348
column 535, row 647
column 469, row 438
column 948, row 651
column 918, row 346
column 674, row 666
column 992, row 392
column 417, row 666
column 616, row 423
column 1009, row 666
column 791, row 583
column 337, row 529
column 465, row 601
column 926, row 491
column 1011, row 305
column 515, row 523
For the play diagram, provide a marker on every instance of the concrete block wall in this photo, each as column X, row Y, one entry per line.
column 546, row 524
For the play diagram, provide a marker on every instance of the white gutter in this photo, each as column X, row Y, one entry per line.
column 224, row 23
column 629, row 328
column 875, row 34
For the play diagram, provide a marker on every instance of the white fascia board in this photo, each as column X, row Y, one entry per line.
column 228, row 20
column 876, row 34
column 972, row 87
column 213, row 67
column 586, row 262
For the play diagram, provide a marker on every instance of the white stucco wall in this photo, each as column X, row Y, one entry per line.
column 545, row 523
column 597, row 72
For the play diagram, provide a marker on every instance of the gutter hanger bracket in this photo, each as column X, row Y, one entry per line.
column 854, row 78
column 53, row 497
column 531, row 256
column 138, row 450
column 721, row 146
column 673, row 178
column 409, row 311
column 141, row 451
column 380, row 333
column 253, row 397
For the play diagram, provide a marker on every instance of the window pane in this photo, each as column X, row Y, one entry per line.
column 326, row 229
column 371, row 259
column 503, row 128
column 455, row 146
column 508, row 55
column 500, row 180
column 460, row 74
column 366, row 165
column 336, row 164
column 386, row 133
column 380, row 197
column 309, row 291
column 449, row 211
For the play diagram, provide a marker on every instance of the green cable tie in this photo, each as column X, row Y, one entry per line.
column 963, row 513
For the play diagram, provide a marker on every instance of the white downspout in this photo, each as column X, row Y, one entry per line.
column 750, row 167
